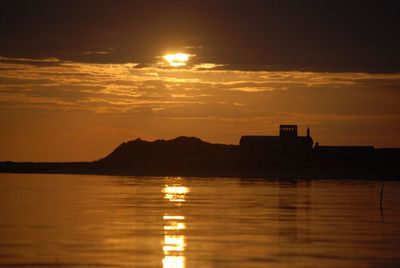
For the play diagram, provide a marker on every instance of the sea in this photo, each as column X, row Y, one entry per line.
column 51, row 220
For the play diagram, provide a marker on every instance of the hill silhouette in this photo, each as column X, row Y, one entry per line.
column 176, row 154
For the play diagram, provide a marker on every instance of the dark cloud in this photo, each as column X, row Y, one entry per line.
column 311, row 35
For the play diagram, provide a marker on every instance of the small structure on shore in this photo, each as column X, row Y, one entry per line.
column 286, row 148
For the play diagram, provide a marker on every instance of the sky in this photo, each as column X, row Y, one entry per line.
column 77, row 78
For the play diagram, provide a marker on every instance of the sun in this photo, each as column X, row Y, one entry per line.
column 177, row 59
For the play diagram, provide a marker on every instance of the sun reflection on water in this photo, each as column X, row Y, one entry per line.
column 174, row 226
column 174, row 241
column 174, row 262
column 173, row 217
column 175, row 193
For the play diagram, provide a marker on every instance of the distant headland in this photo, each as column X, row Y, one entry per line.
column 287, row 155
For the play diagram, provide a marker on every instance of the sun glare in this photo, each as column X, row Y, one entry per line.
column 177, row 60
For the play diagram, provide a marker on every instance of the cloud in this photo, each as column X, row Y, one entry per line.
column 195, row 91
column 98, row 52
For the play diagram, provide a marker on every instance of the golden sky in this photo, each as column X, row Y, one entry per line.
column 56, row 110
column 77, row 78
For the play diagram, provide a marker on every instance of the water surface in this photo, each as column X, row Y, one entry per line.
column 106, row 221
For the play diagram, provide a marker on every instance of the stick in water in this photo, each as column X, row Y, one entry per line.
column 382, row 185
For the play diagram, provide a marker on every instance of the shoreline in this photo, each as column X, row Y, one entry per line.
column 89, row 168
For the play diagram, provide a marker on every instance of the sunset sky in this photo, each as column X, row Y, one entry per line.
column 77, row 78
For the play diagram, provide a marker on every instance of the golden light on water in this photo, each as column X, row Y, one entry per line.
column 175, row 189
column 174, row 226
column 173, row 217
column 173, row 262
column 174, row 241
column 175, row 193
column 177, row 59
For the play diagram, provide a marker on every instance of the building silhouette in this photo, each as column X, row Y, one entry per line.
column 287, row 148
column 344, row 156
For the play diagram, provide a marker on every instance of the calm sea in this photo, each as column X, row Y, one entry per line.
column 106, row 221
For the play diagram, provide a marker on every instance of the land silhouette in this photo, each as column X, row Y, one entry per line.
column 285, row 156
